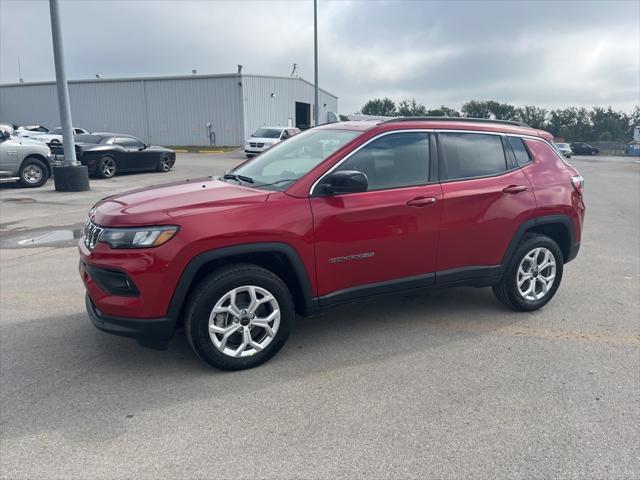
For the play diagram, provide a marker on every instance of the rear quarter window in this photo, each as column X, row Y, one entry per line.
column 520, row 151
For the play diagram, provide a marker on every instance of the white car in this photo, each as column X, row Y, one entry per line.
column 55, row 135
column 31, row 130
column 266, row 137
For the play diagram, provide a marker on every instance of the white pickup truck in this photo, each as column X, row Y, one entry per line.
column 23, row 159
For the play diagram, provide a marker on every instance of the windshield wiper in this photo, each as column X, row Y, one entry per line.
column 275, row 183
column 236, row 177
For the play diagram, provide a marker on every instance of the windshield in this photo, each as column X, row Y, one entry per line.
column 267, row 133
column 563, row 145
column 286, row 162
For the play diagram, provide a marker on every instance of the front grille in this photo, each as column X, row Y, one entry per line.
column 91, row 234
column 56, row 148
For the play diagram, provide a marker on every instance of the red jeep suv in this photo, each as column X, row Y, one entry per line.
column 342, row 212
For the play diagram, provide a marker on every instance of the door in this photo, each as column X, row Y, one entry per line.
column 303, row 115
column 388, row 233
column 135, row 156
column 8, row 156
column 486, row 198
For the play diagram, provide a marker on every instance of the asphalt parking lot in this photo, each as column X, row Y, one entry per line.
column 442, row 385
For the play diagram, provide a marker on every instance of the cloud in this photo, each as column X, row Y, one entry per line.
column 544, row 53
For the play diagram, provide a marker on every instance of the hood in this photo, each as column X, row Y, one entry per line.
column 28, row 142
column 262, row 140
column 165, row 203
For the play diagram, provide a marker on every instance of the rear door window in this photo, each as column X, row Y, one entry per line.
column 470, row 155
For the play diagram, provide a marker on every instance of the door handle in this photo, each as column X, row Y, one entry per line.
column 421, row 201
column 514, row 189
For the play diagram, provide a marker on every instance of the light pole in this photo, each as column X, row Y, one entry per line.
column 71, row 176
column 316, row 113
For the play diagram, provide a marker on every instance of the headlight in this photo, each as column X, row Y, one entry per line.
column 137, row 237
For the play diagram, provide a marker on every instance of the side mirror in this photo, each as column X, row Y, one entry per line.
column 346, row 181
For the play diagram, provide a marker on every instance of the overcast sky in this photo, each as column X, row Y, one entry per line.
column 544, row 53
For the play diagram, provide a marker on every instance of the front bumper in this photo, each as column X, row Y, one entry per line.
column 149, row 332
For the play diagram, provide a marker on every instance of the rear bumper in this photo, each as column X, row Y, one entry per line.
column 150, row 332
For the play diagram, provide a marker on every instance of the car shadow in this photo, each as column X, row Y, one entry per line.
column 62, row 371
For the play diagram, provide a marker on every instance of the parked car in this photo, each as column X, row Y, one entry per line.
column 565, row 149
column 8, row 128
column 23, row 159
column 31, row 130
column 106, row 154
column 580, row 148
column 266, row 137
column 55, row 135
column 394, row 205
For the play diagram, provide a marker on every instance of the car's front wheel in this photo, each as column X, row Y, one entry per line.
column 164, row 164
column 106, row 167
column 33, row 173
column 533, row 275
column 239, row 317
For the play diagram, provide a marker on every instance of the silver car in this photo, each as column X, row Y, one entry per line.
column 24, row 160
column 565, row 149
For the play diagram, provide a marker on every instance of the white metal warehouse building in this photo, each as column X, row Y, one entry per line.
column 172, row 110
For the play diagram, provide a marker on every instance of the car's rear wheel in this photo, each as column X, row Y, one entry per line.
column 164, row 164
column 533, row 274
column 33, row 173
column 239, row 317
column 106, row 167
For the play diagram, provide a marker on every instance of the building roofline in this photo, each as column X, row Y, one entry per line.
column 164, row 77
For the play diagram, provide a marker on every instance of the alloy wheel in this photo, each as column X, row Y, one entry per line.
column 244, row 321
column 165, row 165
column 108, row 167
column 536, row 274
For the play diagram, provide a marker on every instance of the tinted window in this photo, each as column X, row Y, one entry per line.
column 79, row 130
column 88, row 138
column 467, row 155
column 128, row 142
column 520, row 151
column 392, row 161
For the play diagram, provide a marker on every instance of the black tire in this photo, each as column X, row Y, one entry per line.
column 507, row 289
column 214, row 287
column 33, row 173
column 107, row 167
column 164, row 164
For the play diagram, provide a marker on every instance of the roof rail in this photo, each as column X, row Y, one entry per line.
column 457, row 119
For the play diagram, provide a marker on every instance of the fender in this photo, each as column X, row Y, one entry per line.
column 189, row 273
column 565, row 220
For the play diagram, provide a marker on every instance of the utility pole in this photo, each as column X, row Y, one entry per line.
column 71, row 176
column 316, row 113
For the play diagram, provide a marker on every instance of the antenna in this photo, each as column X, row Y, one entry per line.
column 21, row 80
column 294, row 70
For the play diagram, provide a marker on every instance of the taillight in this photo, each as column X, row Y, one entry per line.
column 578, row 183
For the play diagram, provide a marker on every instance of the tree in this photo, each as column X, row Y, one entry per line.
column 535, row 117
column 443, row 111
column 410, row 108
column 383, row 107
column 476, row 109
column 501, row 111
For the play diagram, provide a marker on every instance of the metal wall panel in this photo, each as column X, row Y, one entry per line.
column 167, row 110
column 179, row 110
column 261, row 108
